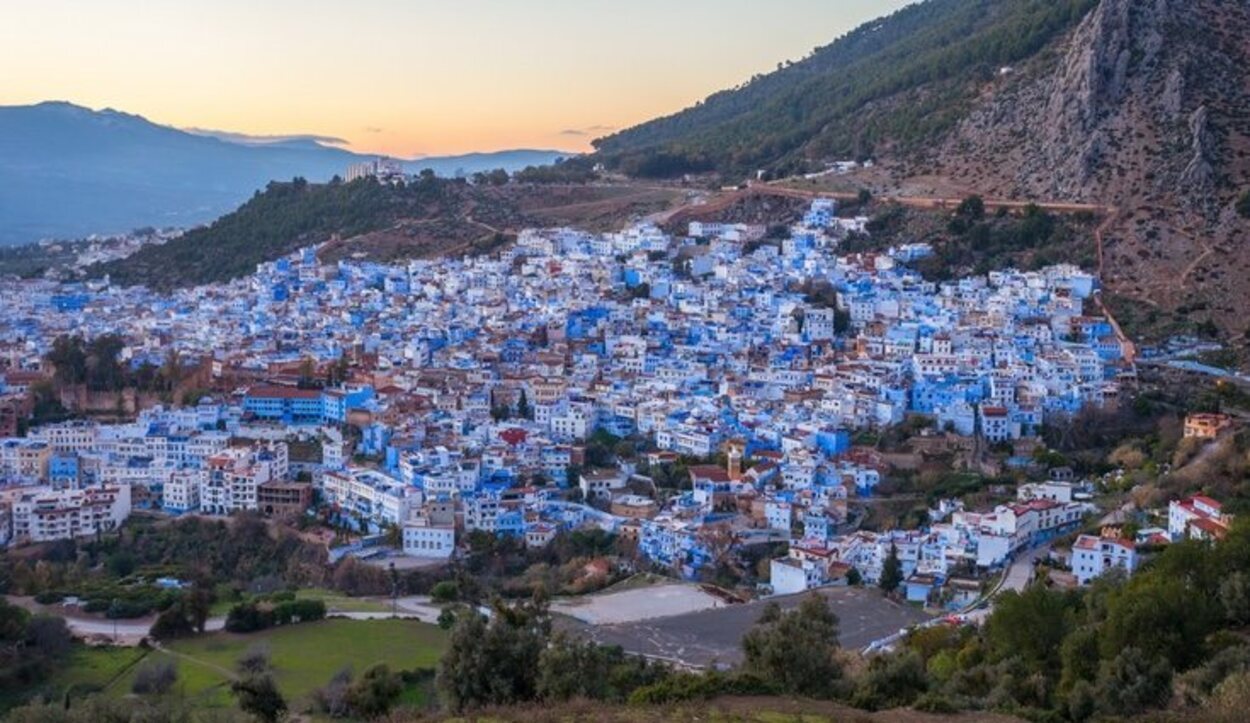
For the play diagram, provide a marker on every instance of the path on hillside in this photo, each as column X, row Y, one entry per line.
column 725, row 199
column 1127, row 348
column 228, row 673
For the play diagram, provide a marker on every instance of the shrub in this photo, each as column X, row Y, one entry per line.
column 126, row 609
column 154, row 678
column 248, row 618
column 445, row 591
column 933, row 702
column 256, row 660
column 173, row 623
column 332, row 699
column 375, row 692
column 298, row 611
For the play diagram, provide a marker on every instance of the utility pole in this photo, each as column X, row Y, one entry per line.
column 394, row 590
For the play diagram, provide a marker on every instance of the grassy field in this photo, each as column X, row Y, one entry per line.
column 87, row 670
column 305, row 657
column 335, row 602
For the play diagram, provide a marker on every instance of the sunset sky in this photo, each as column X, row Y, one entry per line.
column 406, row 77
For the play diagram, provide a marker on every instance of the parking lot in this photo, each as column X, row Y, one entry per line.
column 629, row 606
column 711, row 636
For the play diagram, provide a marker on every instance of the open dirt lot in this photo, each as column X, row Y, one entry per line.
column 714, row 635
column 628, row 606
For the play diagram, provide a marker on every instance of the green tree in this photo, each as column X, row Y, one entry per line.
column 971, row 208
column 523, row 409
column 445, row 591
column 1162, row 616
column 891, row 571
column 796, row 650
column 1243, row 205
column 892, row 681
column 494, row 662
column 375, row 693
column 258, row 696
column 1031, row 626
column 1078, row 656
column 1133, row 682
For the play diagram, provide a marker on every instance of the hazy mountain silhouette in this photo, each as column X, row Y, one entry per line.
column 69, row 171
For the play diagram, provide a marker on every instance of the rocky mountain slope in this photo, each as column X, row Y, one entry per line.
column 1144, row 107
column 1138, row 105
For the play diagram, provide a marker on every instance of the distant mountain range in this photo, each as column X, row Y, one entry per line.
column 68, row 171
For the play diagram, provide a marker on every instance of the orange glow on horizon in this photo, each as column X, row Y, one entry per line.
column 406, row 77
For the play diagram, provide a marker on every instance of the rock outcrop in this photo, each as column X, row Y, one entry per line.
column 1145, row 106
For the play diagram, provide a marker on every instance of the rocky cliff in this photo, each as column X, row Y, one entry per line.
column 1145, row 107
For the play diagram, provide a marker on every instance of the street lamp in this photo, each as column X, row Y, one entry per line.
column 113, row 610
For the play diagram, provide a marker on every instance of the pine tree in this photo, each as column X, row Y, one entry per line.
column 892, row 571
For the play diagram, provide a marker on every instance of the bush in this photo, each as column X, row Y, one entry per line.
column 95, row 606
column 173, row 623
column 933, row 702
column 248, row 618
column 374, row 694
column 677, row 688
column 1131, row 683
column 298, row 611
column 1243, row 205
column 332, row 699
column 154, row 678
column 127, row 609
column 892, row 681
column 445, row 591
column 256, row 660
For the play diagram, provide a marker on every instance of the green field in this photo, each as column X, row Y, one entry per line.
column 305, row 657
column 87, row 670
column 335, row 602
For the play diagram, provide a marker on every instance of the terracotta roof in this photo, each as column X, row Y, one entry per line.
column 272, row 392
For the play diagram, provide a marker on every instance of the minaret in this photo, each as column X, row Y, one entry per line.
column 733, row 462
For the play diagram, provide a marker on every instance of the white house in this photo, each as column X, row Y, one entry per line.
column 1092, row 556
column 422, row 539
column 1197, row 517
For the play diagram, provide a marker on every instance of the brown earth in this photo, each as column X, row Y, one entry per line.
column 731, row 709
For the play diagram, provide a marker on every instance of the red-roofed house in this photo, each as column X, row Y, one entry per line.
column 1092, row 556
column 1199, row 518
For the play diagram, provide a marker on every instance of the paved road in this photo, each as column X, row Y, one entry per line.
column 1017, row 577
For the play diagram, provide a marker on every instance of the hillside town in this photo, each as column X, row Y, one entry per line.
column 693, row 394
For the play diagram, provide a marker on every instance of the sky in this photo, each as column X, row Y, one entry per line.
column 407, row 77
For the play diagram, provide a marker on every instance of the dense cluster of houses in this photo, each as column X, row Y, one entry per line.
column 479, row 386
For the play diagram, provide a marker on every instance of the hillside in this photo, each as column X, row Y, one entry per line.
column 1143, row 108
column 382, row 222
column 1132, row 105
column 728, row 709
column 68, row 171
column 898, row 81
